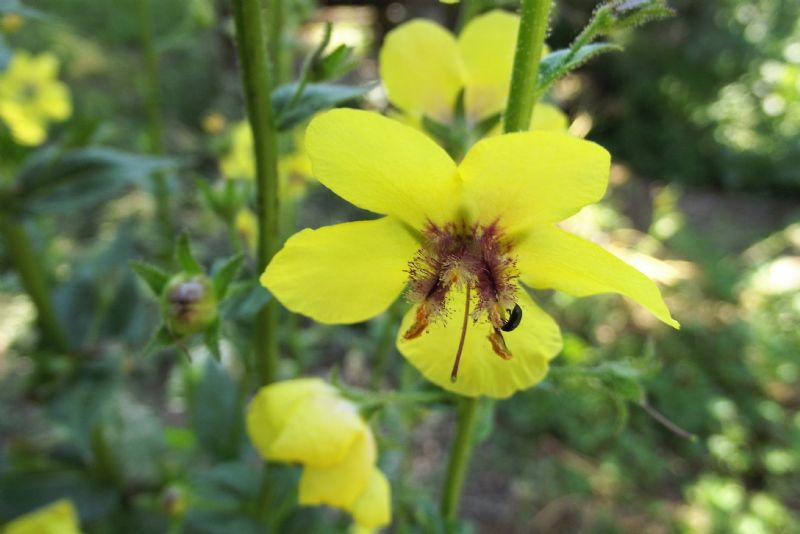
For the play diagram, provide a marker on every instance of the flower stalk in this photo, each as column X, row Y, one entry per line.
column 155, row 125
column 459, row 458
column 534, row 19
column 253, row 55
column 28, row 265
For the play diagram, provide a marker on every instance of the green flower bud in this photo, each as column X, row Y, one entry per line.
column 189, row 304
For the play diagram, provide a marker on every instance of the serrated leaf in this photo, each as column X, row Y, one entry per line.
column 53, row 180
column 225, row 274
column 315, row 97
column 152, row 276
column 184, row 257
column 557, row 64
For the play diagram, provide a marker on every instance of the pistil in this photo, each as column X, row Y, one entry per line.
column 464, row 324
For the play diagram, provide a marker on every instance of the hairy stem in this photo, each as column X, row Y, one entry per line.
column 257, row 81
column 534, row 19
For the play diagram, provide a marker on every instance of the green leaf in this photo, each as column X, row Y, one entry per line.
column 152, row 276
column 54, row 180
column 211, row 340
column 224, row 275
column 184, row 257
column 557, row 64
column 334, row 65
column 631, row 13
column 216, row 413
column 315, row 97
column 5, row 53
column 244, row 300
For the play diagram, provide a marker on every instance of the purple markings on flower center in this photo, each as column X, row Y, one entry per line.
column 473, row 259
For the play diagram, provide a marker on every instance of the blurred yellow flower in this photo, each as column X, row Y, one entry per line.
column 11, row 22
column 424, row 68
column 305, row 421
column 214, row 123
column 246, row 225
column 461, row 238
column 294, row 167
column 56, row 518
column 31, row 96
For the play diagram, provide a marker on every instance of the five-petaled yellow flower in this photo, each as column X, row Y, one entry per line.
column 461, row 238
column 305, row 421
column 31, row 96
column 56, row 518
column 424, row 68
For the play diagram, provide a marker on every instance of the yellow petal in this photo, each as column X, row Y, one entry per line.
column 552, row 258
column 320, row 433
column 239, row 161
column 482, row 372
column 26, row 128
column 54, row 101
column 487, row 46
column 525, row 178
column 373, row 508
column 421, row 69
column 341, row 484
column 273, row 406
column 547, row 117
column 56, row 518
column 383, row 166
column 344, row 273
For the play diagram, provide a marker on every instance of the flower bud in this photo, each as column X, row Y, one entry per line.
column 189, row 304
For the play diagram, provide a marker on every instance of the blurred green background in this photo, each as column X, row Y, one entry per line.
column 701, row 113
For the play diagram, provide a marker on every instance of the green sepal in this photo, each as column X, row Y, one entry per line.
column 225, row 274
column 559, row 63
column 162, row 337
column 184, row 257
column 152, row 276
column 486, row 125
column 292, row 108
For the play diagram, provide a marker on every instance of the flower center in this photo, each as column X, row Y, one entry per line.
column 28, row 91
column 475, row 260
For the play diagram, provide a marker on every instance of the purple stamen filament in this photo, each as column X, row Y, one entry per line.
column 454, row 372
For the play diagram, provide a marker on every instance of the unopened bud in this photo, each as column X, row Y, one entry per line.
column 189, row 304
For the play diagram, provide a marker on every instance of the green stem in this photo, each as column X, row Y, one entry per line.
column 384, row 348
column 28, row 265
column 534, row 19
column 459, row 458
column 256, row 78
column 155, row 123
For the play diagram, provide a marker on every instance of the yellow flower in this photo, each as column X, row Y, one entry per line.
column 56, row 518
column 214, row 123
column 11, row 22
column 462, row 238
column 246, row 225
column 294, row 168
column 305, row 421
column 31, row 96
column 424, row 68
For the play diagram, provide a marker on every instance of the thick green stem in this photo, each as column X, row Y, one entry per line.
column 155, row 125
column 256, row 78
column 28, row 265
column 534, row 18
column 459, row 458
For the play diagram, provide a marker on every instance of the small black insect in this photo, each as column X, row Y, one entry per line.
column 514, row 318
